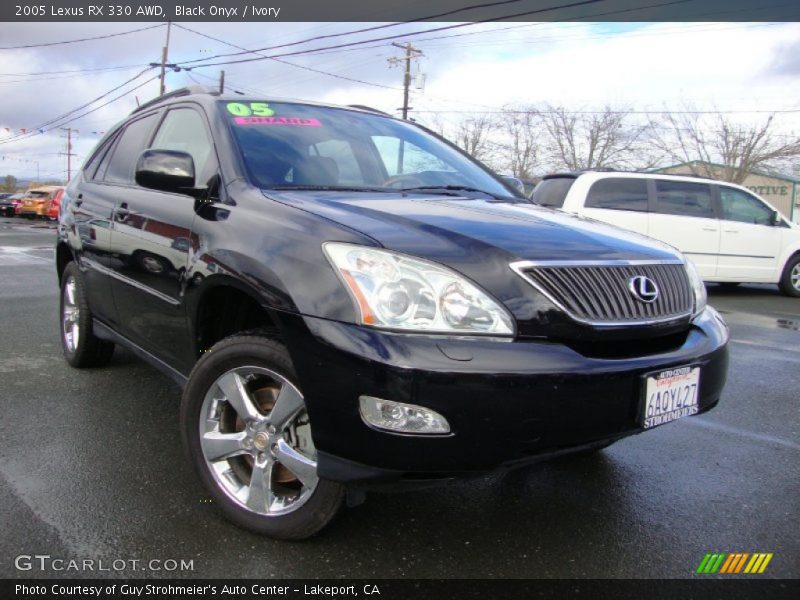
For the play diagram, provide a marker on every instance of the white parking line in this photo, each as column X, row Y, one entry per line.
column 20, row 255
column 763, row 345
column 759, row 437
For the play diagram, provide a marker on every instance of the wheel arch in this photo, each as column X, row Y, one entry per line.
column 63, row 258
column 225, row 306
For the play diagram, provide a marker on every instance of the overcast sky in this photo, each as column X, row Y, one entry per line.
column 643, row 66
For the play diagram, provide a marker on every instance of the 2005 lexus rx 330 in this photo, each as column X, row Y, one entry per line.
column 350, row 301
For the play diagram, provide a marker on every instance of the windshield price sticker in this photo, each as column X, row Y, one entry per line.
column 259, row 109
column 260, row 113
column 295, row 121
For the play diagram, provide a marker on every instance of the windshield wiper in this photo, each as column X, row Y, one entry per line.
column 452, row 190
column 326, row 188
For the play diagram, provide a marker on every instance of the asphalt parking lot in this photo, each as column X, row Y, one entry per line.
column 91, row 467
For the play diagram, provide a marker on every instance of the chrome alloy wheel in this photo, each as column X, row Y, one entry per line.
column 794, row 277
column 256, row 441
column 70, row 315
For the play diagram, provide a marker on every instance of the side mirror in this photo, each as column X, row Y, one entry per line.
column 166, row 171
column 775, row 218
column 514, row 183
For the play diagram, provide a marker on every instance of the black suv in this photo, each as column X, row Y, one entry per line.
column 349, row 302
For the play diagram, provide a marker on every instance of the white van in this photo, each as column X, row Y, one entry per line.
column 730, row 234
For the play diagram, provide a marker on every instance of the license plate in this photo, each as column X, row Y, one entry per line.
column 670, row 395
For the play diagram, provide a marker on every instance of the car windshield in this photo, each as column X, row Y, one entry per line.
column 298, row 146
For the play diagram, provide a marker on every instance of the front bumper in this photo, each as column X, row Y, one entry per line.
column 507, row 402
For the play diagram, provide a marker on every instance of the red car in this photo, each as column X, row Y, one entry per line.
column 55, row 205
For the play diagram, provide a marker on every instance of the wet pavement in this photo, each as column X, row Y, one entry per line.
column 91, row 467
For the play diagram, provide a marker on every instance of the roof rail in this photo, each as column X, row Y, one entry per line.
column 368, row 109
column 184, row 91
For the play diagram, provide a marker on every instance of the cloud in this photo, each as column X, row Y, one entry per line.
column 733, row 66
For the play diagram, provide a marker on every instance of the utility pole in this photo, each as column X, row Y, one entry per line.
column 411, row 53
column 69, row 153
column 222, row 82
column 164, row 55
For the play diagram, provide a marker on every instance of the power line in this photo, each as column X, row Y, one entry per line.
column 392, row 37
column 96, row 108
column 611, row 112
column 285, row 62
column 92, row 70
column 41, row 126
column 373, row 28
column 98, row 37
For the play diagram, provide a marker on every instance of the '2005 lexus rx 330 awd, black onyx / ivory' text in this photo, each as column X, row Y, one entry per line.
column 349, row 302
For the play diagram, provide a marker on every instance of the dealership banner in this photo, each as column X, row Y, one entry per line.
column 396, row 589
column 392, row 10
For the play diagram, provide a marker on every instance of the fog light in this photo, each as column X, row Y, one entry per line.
column 401, row 417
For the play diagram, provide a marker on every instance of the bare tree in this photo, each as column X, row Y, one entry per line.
column 519, row 141
column 707, row 142
column 592, row 140
column 473, row 135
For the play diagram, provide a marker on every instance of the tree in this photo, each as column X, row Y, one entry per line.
column 473, row 135
column 579, row 140
column 707, row 141
column 519, row 141
column 9, row 184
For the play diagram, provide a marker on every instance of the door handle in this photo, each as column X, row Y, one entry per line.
column 710, row 229
column 731, row 231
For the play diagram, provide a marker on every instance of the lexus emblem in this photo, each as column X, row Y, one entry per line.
column 643, row 288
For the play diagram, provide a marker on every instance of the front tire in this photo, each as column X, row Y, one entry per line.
column 248, row 434
column 81, row 347
column 790, row 280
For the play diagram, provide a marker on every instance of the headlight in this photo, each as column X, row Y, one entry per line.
column 396, row 291
column 699, row 288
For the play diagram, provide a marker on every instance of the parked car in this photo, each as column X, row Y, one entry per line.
column 349, row 301
column 7, row 204
column 55, row 205
column 731, row 234
column 37, row 201
column 18, row 205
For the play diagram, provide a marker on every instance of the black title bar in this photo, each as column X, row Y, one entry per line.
column 394, row 10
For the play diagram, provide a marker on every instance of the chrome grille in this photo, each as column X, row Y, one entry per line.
column 598, row 293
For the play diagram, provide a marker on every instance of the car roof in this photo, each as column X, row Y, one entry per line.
column 603, row 173
column 596, row 174
column 46, row 188
column 207, row 94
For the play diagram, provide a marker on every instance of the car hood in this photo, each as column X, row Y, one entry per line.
column 457, row 229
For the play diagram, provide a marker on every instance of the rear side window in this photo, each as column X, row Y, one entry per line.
column 740, row 206
column 90, row 168
column 552, row 192
column 683, row 198
column 132, row 143
column 617, row 193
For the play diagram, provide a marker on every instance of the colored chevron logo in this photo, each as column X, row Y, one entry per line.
column 734, row 563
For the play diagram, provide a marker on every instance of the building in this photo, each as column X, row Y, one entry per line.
column 782, row 191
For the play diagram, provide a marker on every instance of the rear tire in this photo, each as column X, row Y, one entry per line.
column 248, row 433
column 81, row 347
column 790, row 280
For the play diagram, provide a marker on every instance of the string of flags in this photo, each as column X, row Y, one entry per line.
column 27, row 130
column 22, row 160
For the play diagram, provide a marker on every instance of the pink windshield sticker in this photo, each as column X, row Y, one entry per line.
column 296, row 121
